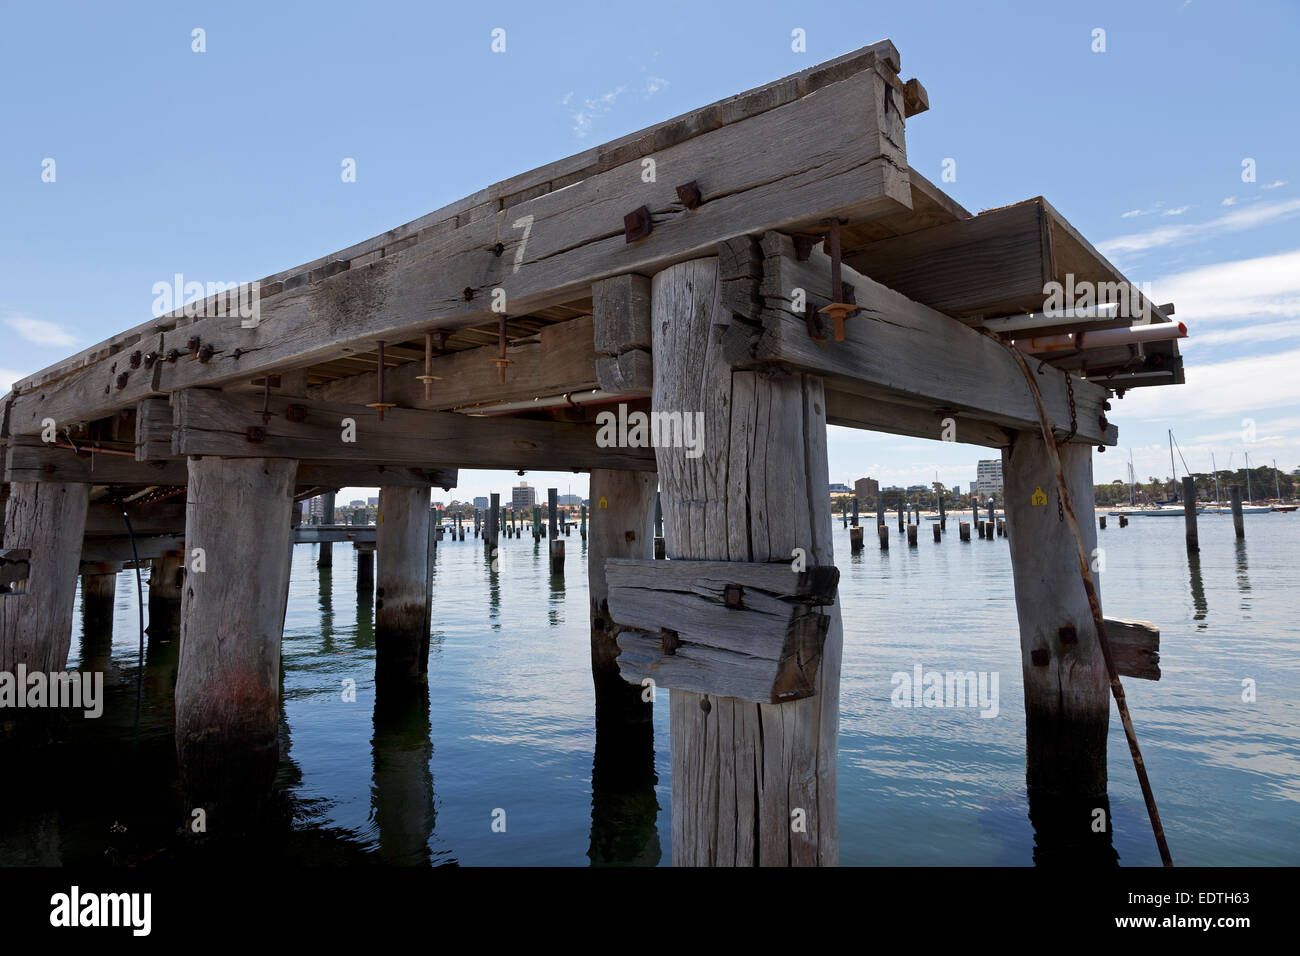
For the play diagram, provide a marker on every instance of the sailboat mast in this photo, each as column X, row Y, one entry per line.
column 1215, row 466
column 1173, row 471
column 1249, row 496
column 1277, row 486
column 1130, row 477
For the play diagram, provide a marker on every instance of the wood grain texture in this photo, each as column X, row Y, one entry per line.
column 215, row 423
column 744, row 774
column 776, row 177
column 232, row 620
column 1067, row 696
column 402, row 586
column 47, row 519
column 1135, row 646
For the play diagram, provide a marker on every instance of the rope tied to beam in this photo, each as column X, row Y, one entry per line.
column 1090, row 589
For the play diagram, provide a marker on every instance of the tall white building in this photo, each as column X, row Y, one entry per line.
column 523, row 496
column 988, row 477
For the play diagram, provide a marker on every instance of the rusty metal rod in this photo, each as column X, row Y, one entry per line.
column 1094, row 603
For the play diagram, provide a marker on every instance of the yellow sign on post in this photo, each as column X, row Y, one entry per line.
column 1039, row 497
column 603, row 502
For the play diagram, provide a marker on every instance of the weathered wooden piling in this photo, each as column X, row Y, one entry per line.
column 404, row 542
column 938, row 533
column 880, row 510
column 855, row 539
column 911, row 535
column 1238, row 522
column 1067, row 696
column 882, row 530
column 901, row 523
column 98, row 594
column 753, row 783
column 1123, row 521
column 1002, row 527
column 232, row 621
column 963, row 530
column 166, row 584
column 493, row 533
column 624, row 529
column 556, row 546
column 325, row 559
column 943, row 517
column 1101, row 522
column 365, row 568
column 855, row 513
column 49, row 519
column 584, row 521
column 980, row 526
column 1189, row 513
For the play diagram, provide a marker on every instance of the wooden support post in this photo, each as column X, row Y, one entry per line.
column 883, row 530
column 963, row 530
column 1123, row 521
column 1101, row 522
column 855, row 512
column 900, row 518
column 911, row 535
column 402, row 596
column 556, row 546
column 938, row 534
column 166, row 585
column 880, row 510
column 623, row 529
column 980, row 526
column 1002, row 528
column 365, row 569
column 855, row 539
column 752, row 783
column 660, row 551
column 1238, row 524
column 98, row 593
column 552, row 508
column 326, row 557
column 232, row 621
column 943, row 518
column 583, row 531
column 1067, row 691
column 49, row 518
column 537, row 522
column 493, row 536
column 1189, row 513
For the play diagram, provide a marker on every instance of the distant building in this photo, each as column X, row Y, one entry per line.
column 523, row 496
column 358, row 503
column 956, row 491
column 840, row 488
column 481, row 504
column 988, row 477
column 866, row 489
column 568, row 499
column 373, row 501
column 918, row 489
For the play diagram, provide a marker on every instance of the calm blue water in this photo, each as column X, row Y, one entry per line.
column 510, row 724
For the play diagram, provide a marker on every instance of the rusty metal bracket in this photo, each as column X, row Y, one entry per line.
column 689, row 194
column 295, row 413
column 379, row 404
column 733, row 596
column 637, row 224
column 256, row 434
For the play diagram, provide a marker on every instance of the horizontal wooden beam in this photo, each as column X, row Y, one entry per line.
column 160, row 517
column 106, row 549
column 553, row 245
column 28, row 459
column 750, row 631
column 1135, row 646
column 900, row 348
column 215, row 423
column 877, row 414
column 559, row 359
column 315, row 534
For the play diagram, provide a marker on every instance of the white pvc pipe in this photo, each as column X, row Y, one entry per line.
column 1104, row 338
column 587, row 397
column 1041, row 320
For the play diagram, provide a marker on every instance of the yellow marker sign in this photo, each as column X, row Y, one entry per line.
column 603, row 503
column 1039, row 498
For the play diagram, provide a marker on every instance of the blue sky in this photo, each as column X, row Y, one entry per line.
column 226, row 164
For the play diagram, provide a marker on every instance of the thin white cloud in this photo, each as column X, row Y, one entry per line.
column 1176, row 212
column 1274, row 184
column 7, row 378
column 1237, row 221
column 654, row 84
column 1235, row 386
column 1229, row 201
column 1132, row 213
column 591, row 109
column 1266, row 286
column 40, row 332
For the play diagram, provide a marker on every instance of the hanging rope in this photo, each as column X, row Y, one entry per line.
column 1094, row 603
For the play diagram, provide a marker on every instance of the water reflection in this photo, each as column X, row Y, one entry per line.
column 1243, row 579
column 1198, row 590
column 623, row 779
column 401, row 794
column 1072, row 831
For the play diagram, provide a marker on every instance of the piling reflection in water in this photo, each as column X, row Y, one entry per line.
column 1243, row 579
column 1198, row 590
column 1072, row 831
column 623, row 779
column 401, row 794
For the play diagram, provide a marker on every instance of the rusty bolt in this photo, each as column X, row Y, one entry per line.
column 732, row 595
column 803, row 244
column 295, row 413
column 121, row 380
column 205, row 353
column 150, row 358
column 1068, row 634
column 637, row 224
column 193, row 345
column 705, row 705
column 173, row 355
column 689, row 194
column 468, row 294
column 48, row 469
column 135, row 359
column 670, row 641
column 498, row 249
column 1039, row 657
column 630, row 536
column 256, row 434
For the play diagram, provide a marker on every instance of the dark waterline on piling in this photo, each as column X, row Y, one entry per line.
column 508, row 725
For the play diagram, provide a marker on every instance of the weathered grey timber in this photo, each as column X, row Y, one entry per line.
column 1238, row 522
column 1135, row 646
column 757, row 493
column 326, row 558
column 1189, row 513
column 402, row 594
column 228, row 681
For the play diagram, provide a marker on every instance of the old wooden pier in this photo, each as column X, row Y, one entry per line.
column 770, row 263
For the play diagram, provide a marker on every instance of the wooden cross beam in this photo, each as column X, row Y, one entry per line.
column 745, row 630
column 214, row 423
column 906, row 352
